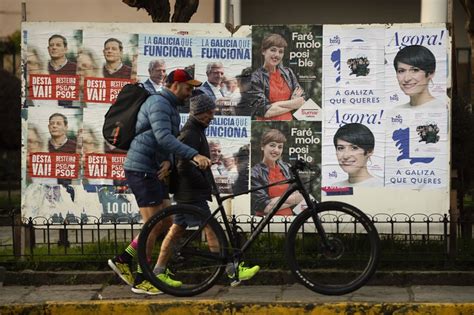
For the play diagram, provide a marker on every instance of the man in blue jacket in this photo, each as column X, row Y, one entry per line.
column 148, row 164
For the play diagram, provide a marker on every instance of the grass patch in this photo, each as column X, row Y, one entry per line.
column 268, row 251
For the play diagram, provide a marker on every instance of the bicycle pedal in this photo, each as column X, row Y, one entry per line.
column 234, row 283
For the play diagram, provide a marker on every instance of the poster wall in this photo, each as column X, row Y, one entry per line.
column 366, row 104
column 385, row 89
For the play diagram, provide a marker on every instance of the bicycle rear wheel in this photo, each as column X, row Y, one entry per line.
column 196, row 258
column 353, row 252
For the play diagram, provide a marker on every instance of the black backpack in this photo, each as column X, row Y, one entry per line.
column 121, row 118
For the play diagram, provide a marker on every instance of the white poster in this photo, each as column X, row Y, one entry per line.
column 353, row 61
column 353, row 148
column 417, row 152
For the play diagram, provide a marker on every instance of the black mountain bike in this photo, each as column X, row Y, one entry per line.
column 331, row 247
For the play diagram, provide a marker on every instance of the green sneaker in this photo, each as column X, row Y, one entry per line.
column 145, row 287
column 245, row 273
column 165, row 277
column 123, row 270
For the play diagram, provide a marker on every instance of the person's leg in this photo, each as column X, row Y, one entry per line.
column 181, row 221
column 149, row 193
column 212, row 241
column 121, row 264
column 159, row 229
column 165, row 251
column 160, row 270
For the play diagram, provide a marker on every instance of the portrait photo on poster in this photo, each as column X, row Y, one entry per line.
column 416, row 68
column 275, row 146
column 286, row 78
column 354, row 152
column 51, row 67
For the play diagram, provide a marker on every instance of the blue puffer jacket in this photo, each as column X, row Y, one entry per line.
column 156, row 131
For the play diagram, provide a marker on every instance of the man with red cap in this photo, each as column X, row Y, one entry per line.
column 148, row 164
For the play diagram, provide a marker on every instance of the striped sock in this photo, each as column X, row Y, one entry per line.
column 130, row 251
column 139, row 268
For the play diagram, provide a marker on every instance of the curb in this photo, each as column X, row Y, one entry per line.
column 213, row 307
column 264, row 277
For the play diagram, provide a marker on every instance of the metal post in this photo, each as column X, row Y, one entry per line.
column 23, row 11
column 235, row 12
column 433, row 11
column 453, row 223
column 224, row 11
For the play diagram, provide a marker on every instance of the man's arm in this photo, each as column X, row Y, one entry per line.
column 160, row 121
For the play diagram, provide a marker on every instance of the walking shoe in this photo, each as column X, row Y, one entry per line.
column 123, row 270
column 145, row 287
column 245, row 273
column 165, row 277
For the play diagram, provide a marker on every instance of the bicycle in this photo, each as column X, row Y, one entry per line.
column 323, row 240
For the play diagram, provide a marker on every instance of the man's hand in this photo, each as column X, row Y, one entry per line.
column 164, row 170
column 202, row 161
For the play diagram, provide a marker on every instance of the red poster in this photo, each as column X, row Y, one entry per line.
column 116, row 164
column 103, row 90
column 53, row 165
column 105, row 166
column 53, row 87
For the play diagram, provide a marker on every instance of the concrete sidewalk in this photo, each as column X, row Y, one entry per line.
column 245, row 299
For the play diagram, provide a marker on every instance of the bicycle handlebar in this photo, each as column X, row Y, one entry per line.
column 299, row 165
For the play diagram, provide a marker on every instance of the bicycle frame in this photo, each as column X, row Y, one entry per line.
column 295, row 185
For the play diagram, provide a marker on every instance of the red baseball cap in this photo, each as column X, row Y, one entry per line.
column 182, row 76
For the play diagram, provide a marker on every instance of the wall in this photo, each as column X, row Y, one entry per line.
column 344, row 12
column 83, row 10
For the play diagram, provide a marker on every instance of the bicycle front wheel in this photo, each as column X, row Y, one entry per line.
column 196, row 255
column 348, row 259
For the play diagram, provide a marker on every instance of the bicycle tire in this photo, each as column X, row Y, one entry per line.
column 351, row 261
column 194, row 265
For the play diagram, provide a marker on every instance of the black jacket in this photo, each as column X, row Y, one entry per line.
column 260, row 89
column 192, row 184
column 259, row 177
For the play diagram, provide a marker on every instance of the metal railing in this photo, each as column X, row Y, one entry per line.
column 406, row 239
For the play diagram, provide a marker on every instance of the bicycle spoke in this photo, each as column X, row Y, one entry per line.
column 195, row 259
column 343, row 261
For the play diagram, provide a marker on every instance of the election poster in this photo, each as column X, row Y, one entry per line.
column 107, row 63
column 52, row 145
column 367, row 104
column 353, row 63
column 353, row 149
column 228, row 138
column 102, row 163
column 289, row 59
column 276, row 145
column 405, row 162
column 50, row 72
column 216, row 61
column 416, row 68
column 417, row 152
column 52, row 162
column 102, row 171
column 229, row 147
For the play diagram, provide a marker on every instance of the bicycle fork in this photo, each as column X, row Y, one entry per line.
column 312, row 206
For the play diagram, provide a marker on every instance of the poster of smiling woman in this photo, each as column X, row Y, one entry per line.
column 287, row 76
column 416, row 68
column 353, row 149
